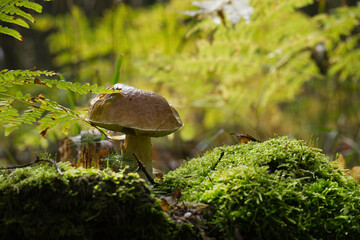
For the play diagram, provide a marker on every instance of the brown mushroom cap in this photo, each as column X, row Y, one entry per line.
column 134, row 111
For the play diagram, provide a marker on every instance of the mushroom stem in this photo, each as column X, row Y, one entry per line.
column 141, row 146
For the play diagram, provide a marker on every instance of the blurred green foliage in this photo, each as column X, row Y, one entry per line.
column 282, row 72
column 216, row 75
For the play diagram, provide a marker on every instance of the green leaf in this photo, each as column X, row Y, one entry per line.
column 5, row 3
column 11, row 32
column 14, row 20
column 9, row 129
column 30, row 5
column 9, row 78
column 7, row 114
column 117, row 70
column 11, row 10
column 19, row 94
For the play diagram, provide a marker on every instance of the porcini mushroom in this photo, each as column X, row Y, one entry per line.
column 137, row 113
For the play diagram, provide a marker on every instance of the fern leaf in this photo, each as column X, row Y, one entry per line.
column 11, row 32
column 29, row 5
column 54, row 118
column 67, row 124
column 76, row 87
column 9, row 129
column 2, row 89
column 44, row 112
column 53, row 106
column 9, row 78
column 14, row 20
column 11, row 10
column 57, row 115
column 30, row 116
column 6, row 2
column 8, row 115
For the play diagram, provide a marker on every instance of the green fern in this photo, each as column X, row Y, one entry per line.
column 40, row 110
column 10, row 78
column 13, row 11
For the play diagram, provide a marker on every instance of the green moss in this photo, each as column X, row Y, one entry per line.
column 279, row 189
column 38, row 203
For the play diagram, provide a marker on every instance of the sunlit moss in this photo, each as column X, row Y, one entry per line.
column 281, row 188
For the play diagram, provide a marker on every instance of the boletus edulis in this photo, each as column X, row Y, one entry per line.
column 139, row 114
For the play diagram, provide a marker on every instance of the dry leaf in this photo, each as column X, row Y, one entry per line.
column 168, row 201
column 41, row 96
column 340, row 162
column 37, row 81
column 43, row 132
column 164, row 204
column 355, row 173
column 243, row 139
column 176, row 194
column 158, row 174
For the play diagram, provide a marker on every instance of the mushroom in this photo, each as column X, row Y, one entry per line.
column 137, row 113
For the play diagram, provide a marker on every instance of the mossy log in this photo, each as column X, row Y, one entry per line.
column 39, row 203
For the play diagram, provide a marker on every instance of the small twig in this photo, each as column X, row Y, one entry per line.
column 217, row 162
column 142, row 168
column 51, row 161
column 36, row 161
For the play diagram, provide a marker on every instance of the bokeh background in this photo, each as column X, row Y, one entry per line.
column 292, row 69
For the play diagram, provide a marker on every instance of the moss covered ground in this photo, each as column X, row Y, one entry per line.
column 278, row 189
column 38, row 203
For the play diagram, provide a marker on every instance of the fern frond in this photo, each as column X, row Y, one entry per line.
column 29, row 5
column 10, row 78
column 7, row 113
column 11, row 11
column 29, row 116
column 54, row 118
column 5, row 2
column 57, row 114
column 76, row 87
column 14, row 20
column 15, row 11
column 41, row 111
column 11, row 32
